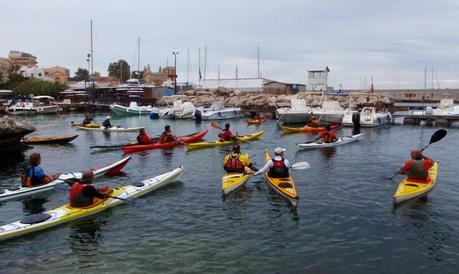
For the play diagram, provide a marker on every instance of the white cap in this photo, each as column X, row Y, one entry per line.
column 279, row 150
column 108, row 117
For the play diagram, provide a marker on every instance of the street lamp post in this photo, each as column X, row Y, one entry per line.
column 175, row 68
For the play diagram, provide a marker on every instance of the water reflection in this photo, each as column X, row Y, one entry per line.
column 34, row 205
column 328, row 152
column 85, row 238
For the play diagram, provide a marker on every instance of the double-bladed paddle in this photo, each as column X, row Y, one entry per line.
column 437, row 136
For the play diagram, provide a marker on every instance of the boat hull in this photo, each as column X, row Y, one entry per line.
column 407, row 190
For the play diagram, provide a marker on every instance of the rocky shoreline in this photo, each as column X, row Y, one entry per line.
column 11, row 132
column 269, row 102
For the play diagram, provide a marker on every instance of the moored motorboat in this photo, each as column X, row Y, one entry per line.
column 17, row 192
column 218, row 111
column 181, row 110
column 133, row 109
column 408, row 190
column 284, row 186
column 368, row 117
column 330, row 112
column 298, row 112
column 37, row 105
column 338, row 142
column 67, row 213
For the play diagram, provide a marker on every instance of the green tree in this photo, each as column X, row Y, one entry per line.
column 81, row 74
column 14, row 77
column 39, row 87
column 119, row 69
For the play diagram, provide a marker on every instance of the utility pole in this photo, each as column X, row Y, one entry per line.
column 187, row 65
column 92, row 53
column 138, row 58
column 205, row 61
column 432, row 78
column 175, row 68
column 425, row 78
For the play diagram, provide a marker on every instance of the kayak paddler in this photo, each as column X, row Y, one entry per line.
column 277, row 167
column 314, row 122
column 166, row 136
column 87, row 119
column 35, row 175
column 82, row 193
column 143, row 138
column 106, row 123
column 417, row 169
column 226, row 134
column 235, row 162
column 328, row 136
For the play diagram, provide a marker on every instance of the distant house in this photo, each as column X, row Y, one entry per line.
column 318, row 79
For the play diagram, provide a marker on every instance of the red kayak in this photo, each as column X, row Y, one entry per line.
column 178, row 141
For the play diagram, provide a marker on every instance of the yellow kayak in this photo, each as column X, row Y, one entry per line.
column 66, row 213
column 242, row 138
column 91, row 125
column 232, row 181
column 409, row 190
column 283, row 186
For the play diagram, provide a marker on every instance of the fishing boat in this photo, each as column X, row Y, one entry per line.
column 38, row 105
column 133, row 109
column 19, row 191
column 67, row 213
column 368, row 117
column 218, row 111
column 298, row 112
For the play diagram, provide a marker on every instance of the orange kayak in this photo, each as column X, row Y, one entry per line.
column 48, row 140
column 255, row 121
column 305, row 129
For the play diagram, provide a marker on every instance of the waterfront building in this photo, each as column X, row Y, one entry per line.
column 57, row 73
column 253, row 85
column 163, row 75
column 4, row 67
column 20, row 59
column 318, row 79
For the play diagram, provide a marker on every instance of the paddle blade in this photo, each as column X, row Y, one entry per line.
column 437, row 136
column 300, row 165
column 214, row 125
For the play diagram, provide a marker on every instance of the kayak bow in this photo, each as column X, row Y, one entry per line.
column 242, row 138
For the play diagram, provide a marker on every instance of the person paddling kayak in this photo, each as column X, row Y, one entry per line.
column 106, row 123
column 82, row 193
column 314, row 122
column 328, row 136
column 235, row 162
column 87, row 119
column 277, row 167
column 417, row 169
column 166, row 136
column 226, row 134
column 143, row 138
column 35, row 175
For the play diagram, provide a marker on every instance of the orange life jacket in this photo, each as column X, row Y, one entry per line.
column 234, row 164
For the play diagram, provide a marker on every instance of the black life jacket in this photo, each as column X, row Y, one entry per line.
column 279, row 169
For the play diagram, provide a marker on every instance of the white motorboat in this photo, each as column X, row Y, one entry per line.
column 330, row 112
column 369, row 117
column 38, row 105
column 181, row 110
column 298, row 112
column 217, row 111
column 133, row 109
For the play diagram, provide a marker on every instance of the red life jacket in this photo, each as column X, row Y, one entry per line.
column 279, row 169
column 143, row 139
column 226, row 135
column 77, row 198
column 166, row 137
column 234, row 164
column 418, row 170
column 328, row 136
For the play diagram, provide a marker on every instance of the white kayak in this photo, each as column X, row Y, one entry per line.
column 110, row 129
column 338, row 142
column 19, row 191
column 67, row 213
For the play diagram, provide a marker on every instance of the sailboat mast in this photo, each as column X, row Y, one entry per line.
column 138, row 58
column 205, row 61
column 187, row 65
column 199, row 65
column 425, row 78
column 432, row 78
column 258, row 62
column 92, row 53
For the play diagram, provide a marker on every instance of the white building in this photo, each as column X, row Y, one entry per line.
column 33, row 72
column 318, row 79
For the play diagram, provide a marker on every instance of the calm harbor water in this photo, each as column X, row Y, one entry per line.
column 344, row 223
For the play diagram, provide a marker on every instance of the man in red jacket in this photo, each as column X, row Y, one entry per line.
column 417, row 169
column 143, row 138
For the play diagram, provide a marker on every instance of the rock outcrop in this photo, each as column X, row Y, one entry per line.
column 11, row 132
column 269, row 102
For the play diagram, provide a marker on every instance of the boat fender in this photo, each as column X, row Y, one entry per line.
column 13, row 188
column 138, row 184
column 35, row 219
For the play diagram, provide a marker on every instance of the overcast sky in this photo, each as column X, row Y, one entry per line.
column 393, row 41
